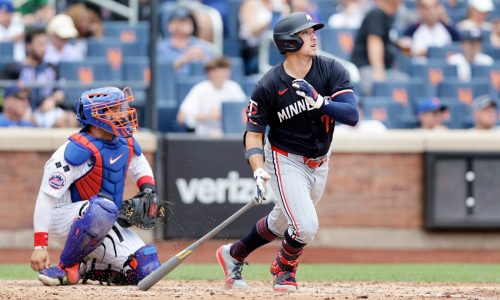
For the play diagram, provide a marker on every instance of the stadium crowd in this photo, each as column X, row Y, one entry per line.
column 428, row 64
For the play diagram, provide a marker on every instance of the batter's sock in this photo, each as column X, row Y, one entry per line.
column 288, row 255
column 291, row 245
column 257, row 237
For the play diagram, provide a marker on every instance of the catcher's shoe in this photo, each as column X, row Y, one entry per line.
column 59, row 275
column 231, row 267
column 284, row 278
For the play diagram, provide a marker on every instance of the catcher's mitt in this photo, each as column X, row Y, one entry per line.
column 143, row 210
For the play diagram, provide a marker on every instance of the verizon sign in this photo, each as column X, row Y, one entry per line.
column 207, row 180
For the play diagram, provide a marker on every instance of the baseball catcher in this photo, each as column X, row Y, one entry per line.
column 80, row 203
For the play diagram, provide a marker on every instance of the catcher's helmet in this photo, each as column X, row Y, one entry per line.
column 286, row 28
column 108, row 108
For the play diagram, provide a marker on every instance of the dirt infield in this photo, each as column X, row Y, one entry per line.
column 208, row 290
column 259, row 290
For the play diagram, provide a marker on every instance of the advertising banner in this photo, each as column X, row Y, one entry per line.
column 206, row 181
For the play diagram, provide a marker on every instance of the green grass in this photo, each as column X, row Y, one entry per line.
column 324, row 272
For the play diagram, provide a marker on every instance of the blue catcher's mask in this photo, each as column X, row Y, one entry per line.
column 108, row 108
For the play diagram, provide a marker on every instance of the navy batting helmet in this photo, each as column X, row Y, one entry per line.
column 286, row 28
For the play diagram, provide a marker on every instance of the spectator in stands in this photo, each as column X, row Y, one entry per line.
column 201, row 109
column 429, row 32
column 374, row 51
column 350, row 14
column 256, row 18
column 36, row 12
column 478, row 15
column 87, row 21
column 16, row 108
column 45, row 97
column 471, row 43
column 495, row 32
column 307, row 6
column 61, row 29
column 431, row 114
column 182, row 47
column 364, row 125
column 485, row 113
column 11, row 28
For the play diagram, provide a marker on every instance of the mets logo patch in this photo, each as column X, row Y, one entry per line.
column 57, row 180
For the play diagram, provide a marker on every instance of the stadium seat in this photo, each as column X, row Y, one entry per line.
column 249, row 83
column 443, row 52
column 388, row 112
column 7, row 49
column 185, row 84
column 167, row 83
column 489, row 73
column 403, row 93
column 89, row 71
column 167, row 118
column 137, row 70
column 103, row 48
column 463, row 91
column 338, row 42
column 492, row 51
column 126, row 32
column 326, row 8
column 234, row 117
column 233, row 23
column 72, row 94
column 433, row 72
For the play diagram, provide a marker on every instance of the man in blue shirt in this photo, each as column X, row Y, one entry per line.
column 182, row 47
column 16, row 108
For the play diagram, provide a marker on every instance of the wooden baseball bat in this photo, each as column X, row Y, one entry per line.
column 177, row 259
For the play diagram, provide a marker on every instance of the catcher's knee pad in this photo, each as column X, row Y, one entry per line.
column 88, row 231
column 141, row 263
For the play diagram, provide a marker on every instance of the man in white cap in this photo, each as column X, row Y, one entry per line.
column 61, row 29
column 478, row 14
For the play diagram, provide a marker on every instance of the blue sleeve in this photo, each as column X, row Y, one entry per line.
column 342, row 107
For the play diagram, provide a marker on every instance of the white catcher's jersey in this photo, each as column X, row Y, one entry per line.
column 55, row 212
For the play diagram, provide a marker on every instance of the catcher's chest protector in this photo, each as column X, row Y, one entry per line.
column 109, row 170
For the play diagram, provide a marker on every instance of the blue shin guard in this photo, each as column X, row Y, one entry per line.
column 88, row 231
column 142, row 263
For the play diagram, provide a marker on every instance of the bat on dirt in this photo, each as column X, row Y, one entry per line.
column 177, row 259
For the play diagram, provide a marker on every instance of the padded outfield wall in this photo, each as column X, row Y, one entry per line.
column 375, row 196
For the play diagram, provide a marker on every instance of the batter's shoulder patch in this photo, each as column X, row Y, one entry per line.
column 57, row 180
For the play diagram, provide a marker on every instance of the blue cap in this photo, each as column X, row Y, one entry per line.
column 7, row 5
column 429, row 105
column 179, row 13
column 11, row 90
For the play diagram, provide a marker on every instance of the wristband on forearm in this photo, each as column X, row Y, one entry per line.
column 41, row 239
column 253, row 151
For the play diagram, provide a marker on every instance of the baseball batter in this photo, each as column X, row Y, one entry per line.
column 300, row 100
column 81, row 194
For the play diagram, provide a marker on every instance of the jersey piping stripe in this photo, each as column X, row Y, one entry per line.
column 341, row 92
column 282, row 193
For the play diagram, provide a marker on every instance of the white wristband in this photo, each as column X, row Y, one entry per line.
column 40, row 247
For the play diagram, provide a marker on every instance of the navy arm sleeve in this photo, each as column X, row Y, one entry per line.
column 342, row 105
